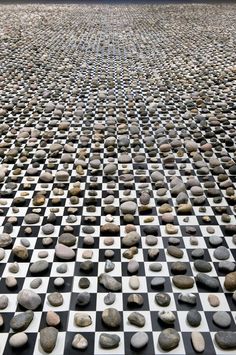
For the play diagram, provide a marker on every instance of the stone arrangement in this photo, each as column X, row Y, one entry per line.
column 117, row 179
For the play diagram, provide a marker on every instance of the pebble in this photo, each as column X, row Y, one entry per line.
column 226, row 340
column 52, row 319
column 222, row 319
column 29, row 299
column 168, row 339
column 134, row 282
column 48, row 338
column 194, row 318
column 198, row 342
column 137, row 319
column 79, row 342
column 18, row 340
column 109, row 341
column 230, row 281
column 221, row 253
column 139, row 340
column 83, row 299
column 21, row 321
column 3, row 302
column 213, row 300
column 162, row 299
column 82, row 319
column 111, row 317
column 109, row 298
column 55, row 299
column 167, row 317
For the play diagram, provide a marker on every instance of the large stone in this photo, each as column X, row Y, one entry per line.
column 226, row 340
column 131, row 239
column 21, row 321
column 109, row 282
column 109, row 341
column 29, row 299
column 128, row 207
column 168, row 339
column 48, row 338
column 63, row 252
column 111, row 318
column 230, row 281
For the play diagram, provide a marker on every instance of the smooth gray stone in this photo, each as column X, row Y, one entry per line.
column 128, row 207
column 194, row 318
column 207, row 281
column 21, row 321
column 155, row 267
column 221, row 253
column 109, row 266
column 222, row 319
column 157, row 282
column 32, row 218
column 111, row 317
column 202, row 265
column 39, row 266
column 109, row 298
column 83, row 299
column 197, row 253
column 62, row 269
column 215, row 240
column 226, row 340
column 48, row 228
column 151, row 240
column 109, row 341
column 226, row 266
column 139, row 340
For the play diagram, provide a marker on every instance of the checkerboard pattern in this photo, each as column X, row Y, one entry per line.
column 115, row 50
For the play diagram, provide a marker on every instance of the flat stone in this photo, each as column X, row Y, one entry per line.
column 139, row 340
column 31, row 218
column 4, row 300
column 39, row 266
column 63, row 252
column 134, row 282
column 175, row 251
column 155, row 267
column 222, row 319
